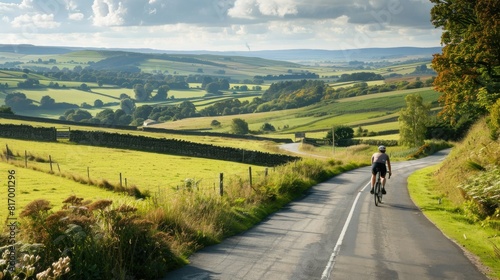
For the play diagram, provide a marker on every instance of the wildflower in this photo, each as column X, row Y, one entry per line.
column 35, row 207
column 126, row 209
column 100, row 204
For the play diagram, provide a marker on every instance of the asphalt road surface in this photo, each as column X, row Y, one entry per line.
column 336, row 232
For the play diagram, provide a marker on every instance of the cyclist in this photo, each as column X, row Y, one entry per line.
column 379, row 161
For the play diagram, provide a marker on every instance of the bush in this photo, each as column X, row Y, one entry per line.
column 103, row 241
column 484, row 191
column 429, row 148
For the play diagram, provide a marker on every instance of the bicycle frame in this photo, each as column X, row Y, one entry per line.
column 377, row 191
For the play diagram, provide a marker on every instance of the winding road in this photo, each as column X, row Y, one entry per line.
column 336, row 232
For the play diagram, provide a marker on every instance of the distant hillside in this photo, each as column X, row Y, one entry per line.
column 368, row 54
column 31, row 49
column 295, row 55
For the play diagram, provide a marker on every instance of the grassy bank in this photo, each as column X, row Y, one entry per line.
column 454, row 221
column 461, row 196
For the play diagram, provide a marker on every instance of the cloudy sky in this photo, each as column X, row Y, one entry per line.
column 223, row 25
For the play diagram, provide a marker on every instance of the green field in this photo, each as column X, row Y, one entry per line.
column 72, row 96
column 265, row 146
column 146, row 170
column 355, row 111
column 31, row 185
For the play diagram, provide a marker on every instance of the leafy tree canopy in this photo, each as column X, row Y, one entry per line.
column 341, row 132
column 6, row 110
column 413, row 120
column 469, row 66
column 239, row 126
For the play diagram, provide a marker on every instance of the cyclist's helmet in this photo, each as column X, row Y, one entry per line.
column 381, row 148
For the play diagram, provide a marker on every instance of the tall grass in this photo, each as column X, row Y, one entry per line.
column 19, row 161
column 470, row 158
column 144, row 239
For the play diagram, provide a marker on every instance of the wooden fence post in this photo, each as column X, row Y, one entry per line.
column 50, row 161
column 121, row 185
column 25, row 159
column 250, row 175
column 221, row 183
column 88, row 174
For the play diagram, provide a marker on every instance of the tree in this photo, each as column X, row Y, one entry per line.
column 212, row 88
column 79, row 116
column 6, row 110
column 239, row 126
column 413, row 120
column 215, row 123
column 148, row 89
column 206, row 80
column 84, row 87
column 341, row 132
column 29, row 83
column 469, row 66
column 98, row 103
column 47, row 102
column 142, row 112
column 187, row 109
column 141, row 94
column 224, row 84
column 162, row 93
column 18, row 101
column 267, row 127
column 127, row 105
column 106, row 116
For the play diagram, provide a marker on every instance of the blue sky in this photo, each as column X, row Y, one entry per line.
column 223, row 25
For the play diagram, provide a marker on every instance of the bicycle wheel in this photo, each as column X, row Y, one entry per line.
column 379, row 194
column 376, row 191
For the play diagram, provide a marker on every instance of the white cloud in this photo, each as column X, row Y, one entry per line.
column 289, row 28
column 43, row 21
column 26, row 4
column 7, row 7
column 220, row 24
column 251, row 9
column 76, row 16
column 243, row 9
column 278, row 8
column 108, row 13
column 71, row 5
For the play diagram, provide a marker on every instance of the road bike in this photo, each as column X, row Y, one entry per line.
column 377, row 189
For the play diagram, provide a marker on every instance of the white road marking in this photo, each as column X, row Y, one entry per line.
column 331, row 262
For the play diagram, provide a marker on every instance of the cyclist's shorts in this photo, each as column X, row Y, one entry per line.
column 378, row 166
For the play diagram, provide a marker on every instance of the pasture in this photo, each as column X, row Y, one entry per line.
column 264, row 146
column 32, row 185
column 148, row 171
column 354, row 111
column 73, row 96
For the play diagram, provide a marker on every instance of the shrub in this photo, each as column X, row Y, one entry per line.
column 103, row 241
column 484, row 190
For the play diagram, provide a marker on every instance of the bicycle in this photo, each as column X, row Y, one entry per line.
column 377, row 189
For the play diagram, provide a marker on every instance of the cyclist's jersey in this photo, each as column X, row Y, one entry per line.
column 380, row 158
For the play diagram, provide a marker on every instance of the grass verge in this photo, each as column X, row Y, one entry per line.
column 478, row 239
